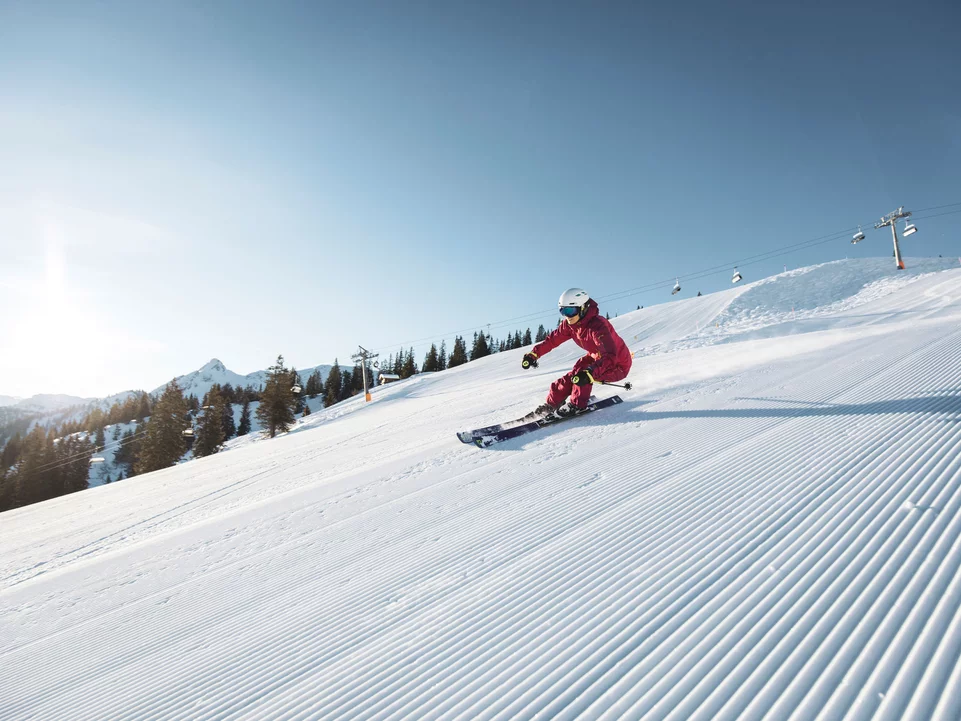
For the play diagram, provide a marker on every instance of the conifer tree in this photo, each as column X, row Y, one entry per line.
column 346, row 385
column 332, row 386
column 95, row 419
column 115, row 434
column 458, row 356
column 431, row 360
column 227, row 419
column 210, row 432
column 358, row 377
column 314, row 386
column 6, row 490
column 480, row 348
column 526, row 340
column 99, row 440
column 143, row 408
column 276, row 410
column 299, row 396
column 244, row 428
column 28, row 479
column 410, row 365
column 442, row 357
column 10, row 451
column 541, row 334
column 126, row 453
column 306, row 410
column 74, row 464
column 163, row 441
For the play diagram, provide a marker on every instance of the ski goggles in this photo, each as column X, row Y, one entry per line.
column 569, row 311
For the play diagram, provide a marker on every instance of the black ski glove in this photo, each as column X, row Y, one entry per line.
column 583, row 378
column 530, row 361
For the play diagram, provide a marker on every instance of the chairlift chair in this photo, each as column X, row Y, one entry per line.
column 909, row 229
column 858, row 237
column 677, row 286
column 188, row 433
column 97, row 459
column 737, row 276
column 295, row 388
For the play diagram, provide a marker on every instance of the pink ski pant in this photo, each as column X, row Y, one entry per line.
column 580, row 395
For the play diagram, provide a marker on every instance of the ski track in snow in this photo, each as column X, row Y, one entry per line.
column 769, row 528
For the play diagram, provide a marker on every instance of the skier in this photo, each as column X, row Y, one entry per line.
column 607, row 359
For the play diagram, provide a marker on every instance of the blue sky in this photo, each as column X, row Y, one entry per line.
column 238, row 180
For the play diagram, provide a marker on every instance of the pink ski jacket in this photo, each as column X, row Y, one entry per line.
column 595, row 334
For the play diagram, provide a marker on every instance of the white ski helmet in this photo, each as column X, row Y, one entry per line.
column 572, row 302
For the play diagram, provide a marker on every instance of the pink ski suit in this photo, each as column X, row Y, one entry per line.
column 608, row 357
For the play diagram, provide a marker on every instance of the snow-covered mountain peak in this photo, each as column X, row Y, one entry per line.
column 214, row 371
column 213, row 366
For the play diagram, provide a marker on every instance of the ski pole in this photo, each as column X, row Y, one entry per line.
column 627, row 386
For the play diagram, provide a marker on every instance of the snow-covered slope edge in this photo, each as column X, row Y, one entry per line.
column 768, row 527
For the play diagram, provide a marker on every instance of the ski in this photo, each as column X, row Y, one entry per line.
column 488, row 439
column 469, row 436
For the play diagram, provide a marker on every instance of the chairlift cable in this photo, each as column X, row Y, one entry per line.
column 68, row 460
column 621, row 295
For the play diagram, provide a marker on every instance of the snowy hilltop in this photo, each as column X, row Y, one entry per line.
column 43, row 402
column 767, row 527
column 199, row 381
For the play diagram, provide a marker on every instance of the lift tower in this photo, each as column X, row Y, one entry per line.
column 892, row 219
column 362, row 356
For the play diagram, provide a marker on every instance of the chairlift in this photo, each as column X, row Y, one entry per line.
column 909, row 229
column 188, row 433
column 737, row 276
column 858, row 237
column 677, row 287
column 96, row 460
column 295, row 388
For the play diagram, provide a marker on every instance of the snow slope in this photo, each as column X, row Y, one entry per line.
column 768, row 527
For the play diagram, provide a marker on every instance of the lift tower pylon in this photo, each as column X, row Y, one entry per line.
column 892, row 219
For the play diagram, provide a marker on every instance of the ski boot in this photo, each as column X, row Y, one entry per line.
column 569, row 410
column 542, row 411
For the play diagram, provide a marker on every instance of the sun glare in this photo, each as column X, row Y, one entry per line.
column 53, row 337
